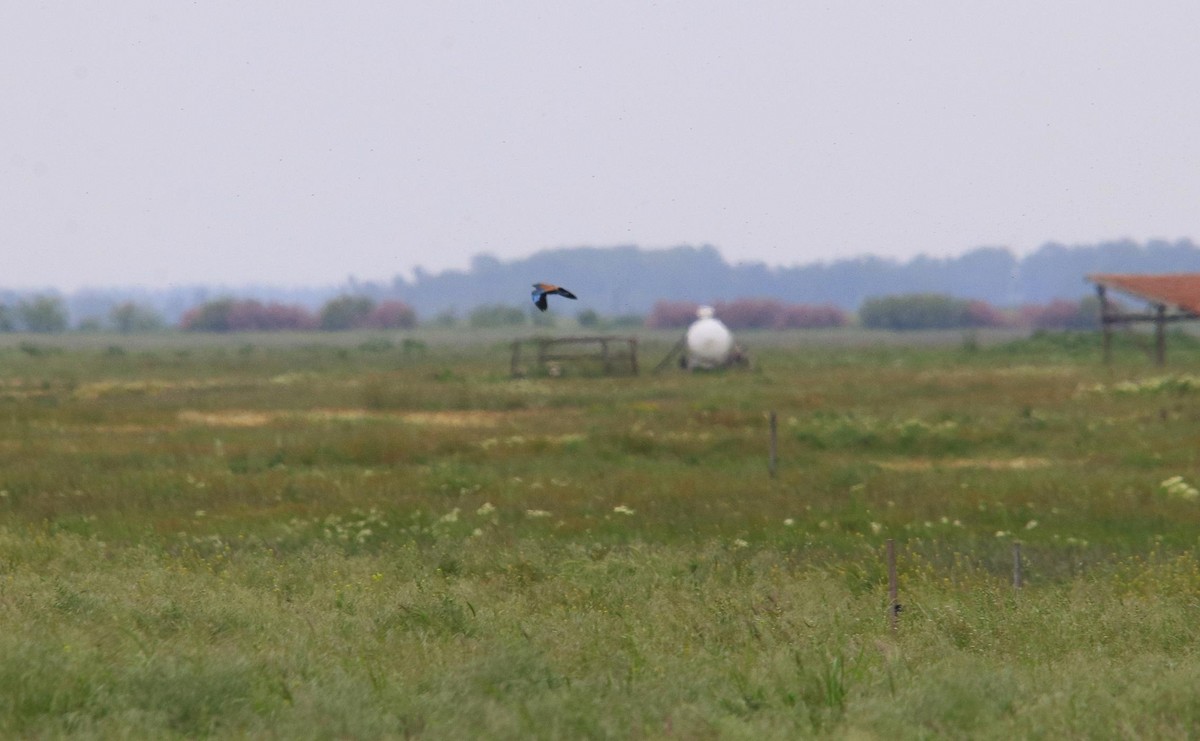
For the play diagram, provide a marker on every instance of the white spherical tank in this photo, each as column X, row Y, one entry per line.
column 709, row 341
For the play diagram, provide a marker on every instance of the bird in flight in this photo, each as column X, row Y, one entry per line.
column 542, row 290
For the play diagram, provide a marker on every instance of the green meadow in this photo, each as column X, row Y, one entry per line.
column 387, row 536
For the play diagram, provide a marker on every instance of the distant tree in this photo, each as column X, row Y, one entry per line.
column 748, row 313
column 43, row 314
column 8, row 322
column 210, row 316
column 588, row 318
column 392, row 315
column 496, row 316
column 803, row 316
column 982, row 314
column 1062, row 314
column 230, row 315
column 346, row 312
column 129, row 317
column 672, row 314
column 626, row 321
column 925, row 311
column 249, row 316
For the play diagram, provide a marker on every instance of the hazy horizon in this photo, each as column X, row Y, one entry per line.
column 340, row 282
column 303, row 143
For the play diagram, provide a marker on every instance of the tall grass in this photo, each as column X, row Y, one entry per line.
column 362, row 540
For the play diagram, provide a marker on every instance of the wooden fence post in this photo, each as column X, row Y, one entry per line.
column 772, row 457
column 1018, row 577
column 893, row 587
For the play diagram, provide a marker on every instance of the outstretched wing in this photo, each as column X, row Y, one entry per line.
column 541, row 290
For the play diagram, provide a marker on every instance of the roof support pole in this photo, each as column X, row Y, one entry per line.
column 1105, row 323
column 1160, row 335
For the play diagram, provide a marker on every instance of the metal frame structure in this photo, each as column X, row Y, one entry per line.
column 1173, row 297
column 604, row 349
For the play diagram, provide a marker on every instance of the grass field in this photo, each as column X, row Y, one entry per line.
column 358, row 536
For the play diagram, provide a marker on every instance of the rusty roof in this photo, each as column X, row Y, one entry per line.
column 1180, row 290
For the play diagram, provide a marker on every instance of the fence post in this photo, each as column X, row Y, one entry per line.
column 1018, row 577
column 771, row 456
column 893, row 588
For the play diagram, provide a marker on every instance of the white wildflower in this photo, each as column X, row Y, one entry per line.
column 1180, row 489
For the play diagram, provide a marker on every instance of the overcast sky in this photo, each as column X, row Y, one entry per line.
column 298, row 143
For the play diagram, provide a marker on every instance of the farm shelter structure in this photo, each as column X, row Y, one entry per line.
column 1173, row 297
column 606, row 353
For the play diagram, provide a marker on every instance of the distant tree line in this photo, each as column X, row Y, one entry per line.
column 628, row 280
column 749, row 313
column 619, row 285
column 927, row 311
column 936, row 311
column 898, row 313
column 46, row 314
column 340, row 313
